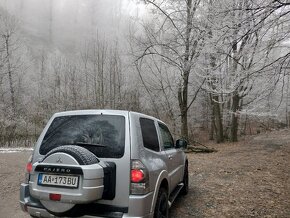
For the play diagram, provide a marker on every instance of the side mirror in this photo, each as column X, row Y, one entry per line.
column 181, row 143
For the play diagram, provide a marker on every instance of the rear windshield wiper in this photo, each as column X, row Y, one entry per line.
column 89, row 144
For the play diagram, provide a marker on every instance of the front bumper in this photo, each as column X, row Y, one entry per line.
column 139, row 206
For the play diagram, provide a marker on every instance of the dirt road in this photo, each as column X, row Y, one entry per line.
column 12, row 169
column 246, row 179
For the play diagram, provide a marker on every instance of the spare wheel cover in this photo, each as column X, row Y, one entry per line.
column 69, row 155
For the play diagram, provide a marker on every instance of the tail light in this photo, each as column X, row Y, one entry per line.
column 139, row 178
column 28, row 170
column 28, row 167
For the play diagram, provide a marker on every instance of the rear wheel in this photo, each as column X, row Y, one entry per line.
column 161, row 207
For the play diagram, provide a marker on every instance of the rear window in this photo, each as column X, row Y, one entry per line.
column 103, row 135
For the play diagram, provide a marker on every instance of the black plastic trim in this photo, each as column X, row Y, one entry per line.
column 59, row 169
column 109, row 180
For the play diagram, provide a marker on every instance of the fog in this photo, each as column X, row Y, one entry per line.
column 66, row 24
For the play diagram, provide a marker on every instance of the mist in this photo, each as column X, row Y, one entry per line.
column 65, row 25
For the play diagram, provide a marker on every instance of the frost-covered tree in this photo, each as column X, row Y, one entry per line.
column 12, row 73
column 175, row 37
column 246, row 36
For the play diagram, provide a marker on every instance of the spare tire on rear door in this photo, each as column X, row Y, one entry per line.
column 83, row 156
column 63, row 163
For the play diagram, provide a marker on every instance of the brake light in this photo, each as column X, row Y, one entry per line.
column 29, row 167
column 137, row 175
column 55, row 197
column 28, row 170
column 139, row 178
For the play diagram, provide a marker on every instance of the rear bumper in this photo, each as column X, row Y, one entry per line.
column 139, row 206
column 26, row 200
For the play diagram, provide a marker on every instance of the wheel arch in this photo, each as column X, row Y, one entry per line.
column 162, row 181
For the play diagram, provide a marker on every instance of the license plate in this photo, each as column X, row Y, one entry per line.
column 58, row 180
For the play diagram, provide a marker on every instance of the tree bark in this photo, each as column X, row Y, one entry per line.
column 218, row 119
column 183, row 90
column 182, row 99
column 235, row 118
column 212, row 128
column 9, row 72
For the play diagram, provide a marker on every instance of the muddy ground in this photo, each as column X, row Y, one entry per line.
column 246, row 179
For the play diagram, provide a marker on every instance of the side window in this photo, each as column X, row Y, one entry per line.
column 166, row 137
column 149, row 134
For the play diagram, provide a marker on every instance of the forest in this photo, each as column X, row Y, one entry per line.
column 210, row 69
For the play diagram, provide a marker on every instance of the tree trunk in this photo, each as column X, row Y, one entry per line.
column 211, row 130
column 182, row 99
column 235, row 97
column 218, row 119
column 183, row 90
column 184, row 125
column 9, row 72
column 217, row 116
column 235, row 118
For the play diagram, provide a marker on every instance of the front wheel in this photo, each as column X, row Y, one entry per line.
column 161, row 207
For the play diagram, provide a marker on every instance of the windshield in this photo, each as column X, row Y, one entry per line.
column 104, row 135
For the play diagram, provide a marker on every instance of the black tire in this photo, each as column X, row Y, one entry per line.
column 82, row 155
column 161, row 206
column 185, row 188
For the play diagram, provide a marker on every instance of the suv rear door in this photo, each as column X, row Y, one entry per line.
column 110, row 128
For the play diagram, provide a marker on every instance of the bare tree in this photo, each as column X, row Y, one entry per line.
column 242, row 40
column 176, row 37
column 8, row 26
column 11, row 76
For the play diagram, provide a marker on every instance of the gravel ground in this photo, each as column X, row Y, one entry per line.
column 246, row 179
column 12, row 170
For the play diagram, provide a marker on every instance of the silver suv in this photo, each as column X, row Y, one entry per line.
column 104, row 163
